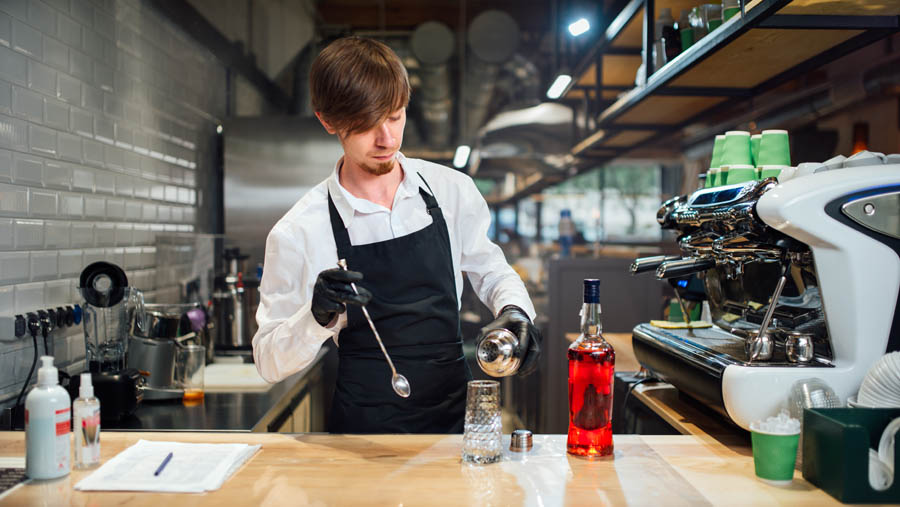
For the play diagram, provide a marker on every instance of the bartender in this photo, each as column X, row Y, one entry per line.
column 408, row 230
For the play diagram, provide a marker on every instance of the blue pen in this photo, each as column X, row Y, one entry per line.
column 163, row 464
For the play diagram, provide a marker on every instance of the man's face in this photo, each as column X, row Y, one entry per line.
column 375, row 150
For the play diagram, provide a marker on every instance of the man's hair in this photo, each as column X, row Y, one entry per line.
column 355, row 83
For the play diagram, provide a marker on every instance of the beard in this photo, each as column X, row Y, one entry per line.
column 380, row 168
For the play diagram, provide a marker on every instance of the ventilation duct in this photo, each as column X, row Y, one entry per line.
column 432, row 44
column 493, row 37
column 533, row 139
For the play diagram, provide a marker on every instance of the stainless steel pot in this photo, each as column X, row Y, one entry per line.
column 163, row 321
column 153, row 347
column 155, row 359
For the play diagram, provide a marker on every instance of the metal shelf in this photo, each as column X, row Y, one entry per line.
column 772, row 42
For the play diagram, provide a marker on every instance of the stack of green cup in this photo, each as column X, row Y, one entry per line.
column 774, row 153
column 712, row 179
column 737, row 148
column 741, row 173
column 754, row 148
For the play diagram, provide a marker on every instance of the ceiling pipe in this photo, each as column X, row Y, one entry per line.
column 493, row 37
column 432, row 44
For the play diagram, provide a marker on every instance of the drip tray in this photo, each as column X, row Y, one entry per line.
column 712, row 347
column 695, row 360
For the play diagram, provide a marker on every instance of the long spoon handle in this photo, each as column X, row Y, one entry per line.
column 343, row 265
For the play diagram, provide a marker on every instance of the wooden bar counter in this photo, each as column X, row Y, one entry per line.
column 324, row 469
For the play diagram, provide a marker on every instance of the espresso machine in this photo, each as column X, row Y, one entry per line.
column 802, row 280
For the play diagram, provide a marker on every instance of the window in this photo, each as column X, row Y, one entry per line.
column 615, row 203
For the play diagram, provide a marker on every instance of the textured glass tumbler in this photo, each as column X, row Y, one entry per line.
column 481, row 434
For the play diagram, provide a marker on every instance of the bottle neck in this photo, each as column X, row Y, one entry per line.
column 591, row 326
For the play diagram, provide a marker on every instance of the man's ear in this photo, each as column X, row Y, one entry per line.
column 328, row 127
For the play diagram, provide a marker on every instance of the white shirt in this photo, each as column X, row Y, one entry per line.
column 301, row 245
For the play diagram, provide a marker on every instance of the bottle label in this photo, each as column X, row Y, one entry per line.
column 89, row 437
column 62, row 419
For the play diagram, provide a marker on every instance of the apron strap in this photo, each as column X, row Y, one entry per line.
column 430, row 202
column 341, row 236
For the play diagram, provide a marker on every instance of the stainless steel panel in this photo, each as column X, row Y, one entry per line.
column 881, row 213
column 270, row 162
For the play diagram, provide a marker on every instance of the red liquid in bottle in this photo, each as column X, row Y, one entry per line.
column 591, row 371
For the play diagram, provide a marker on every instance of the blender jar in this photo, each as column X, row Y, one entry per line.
column 109, row 309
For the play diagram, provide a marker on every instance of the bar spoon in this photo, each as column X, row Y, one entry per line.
column 398, row 381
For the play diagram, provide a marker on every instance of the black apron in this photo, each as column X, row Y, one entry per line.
column 415, row 310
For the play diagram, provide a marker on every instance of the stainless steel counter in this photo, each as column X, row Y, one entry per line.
column 236, row 411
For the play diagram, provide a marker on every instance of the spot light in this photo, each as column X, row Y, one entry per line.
column 462, row 156
column 579, row 27
column 218, row 129
column 559, row 86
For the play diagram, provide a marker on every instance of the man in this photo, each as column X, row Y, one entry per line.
column 408, row 229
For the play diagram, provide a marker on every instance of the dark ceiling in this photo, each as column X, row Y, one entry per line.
column 543, row 45
column 533, row 16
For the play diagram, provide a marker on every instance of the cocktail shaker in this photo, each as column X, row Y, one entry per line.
column 498, row 353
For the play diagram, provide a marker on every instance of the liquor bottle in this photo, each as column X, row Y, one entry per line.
column 591, row 371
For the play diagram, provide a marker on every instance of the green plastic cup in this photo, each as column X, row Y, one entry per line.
column 737, row 148
column 754, row 148
column 723, row 179
column 770, row 171
column 774, row 456
column 714, row 23
column 730, row 12
column 718, row 148
column 712, row 177
column 741, row 174
column 774, row 148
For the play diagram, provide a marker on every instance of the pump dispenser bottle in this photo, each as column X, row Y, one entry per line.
column 86, row 411
column 47, row 422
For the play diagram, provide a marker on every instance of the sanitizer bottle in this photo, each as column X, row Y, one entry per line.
column 47, row 426
column 86, row 412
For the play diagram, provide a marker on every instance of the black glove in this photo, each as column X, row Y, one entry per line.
column 516, row 321
column 332, row 292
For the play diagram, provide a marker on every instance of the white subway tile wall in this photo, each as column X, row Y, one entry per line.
column 107, row 113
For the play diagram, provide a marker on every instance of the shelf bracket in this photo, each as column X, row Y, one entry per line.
column 649, row 37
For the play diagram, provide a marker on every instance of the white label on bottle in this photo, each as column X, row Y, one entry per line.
column 63, row 427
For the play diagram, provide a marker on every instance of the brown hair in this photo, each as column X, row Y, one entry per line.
column 355, row 83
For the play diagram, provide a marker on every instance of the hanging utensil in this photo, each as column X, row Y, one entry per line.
column 398, row 381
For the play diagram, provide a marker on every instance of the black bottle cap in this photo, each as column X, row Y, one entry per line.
column 591, row 290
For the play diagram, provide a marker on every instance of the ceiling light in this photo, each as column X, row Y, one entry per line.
column 218, row 129
column 559, row 86
column 579, row 27
column 462, row 156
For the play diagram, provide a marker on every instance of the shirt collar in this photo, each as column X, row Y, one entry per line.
column 347, row 204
